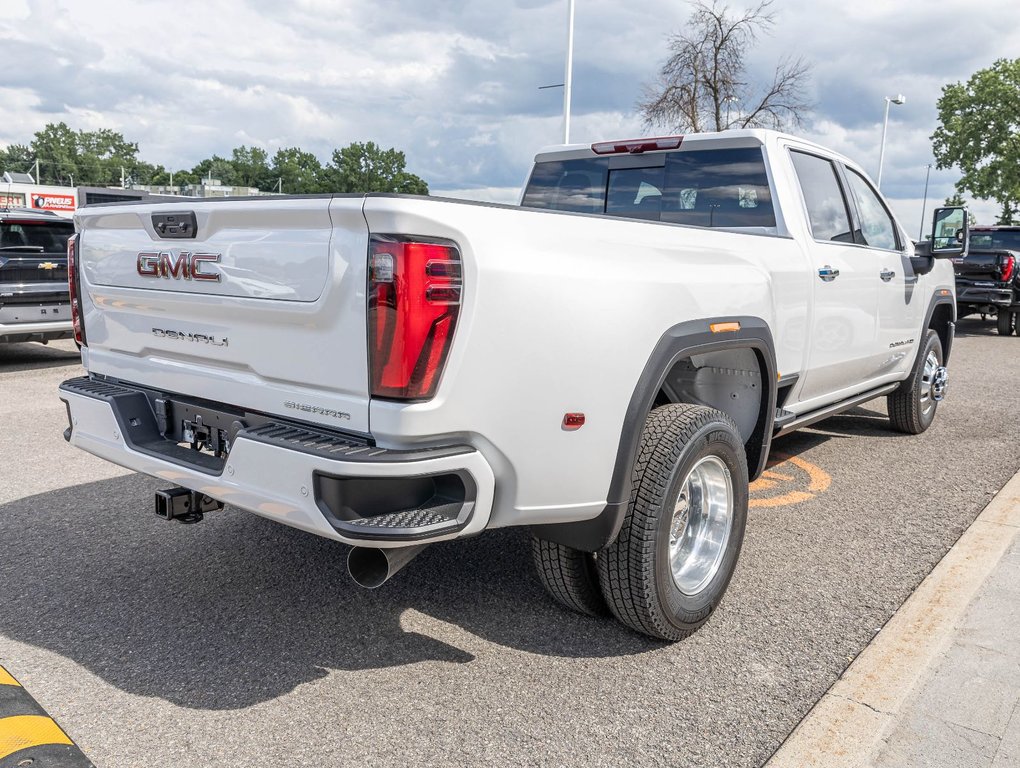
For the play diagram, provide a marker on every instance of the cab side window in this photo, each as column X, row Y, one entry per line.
column 823, row 196
column 877, row 227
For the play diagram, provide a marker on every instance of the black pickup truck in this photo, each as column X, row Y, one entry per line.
column 34, row 301
column 988, row 277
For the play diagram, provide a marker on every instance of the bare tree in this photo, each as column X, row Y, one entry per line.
column 702, row 85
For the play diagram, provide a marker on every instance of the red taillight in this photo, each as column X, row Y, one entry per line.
column 1007, row 269
column 636, row 146
column 72, row 286
column 413, row 303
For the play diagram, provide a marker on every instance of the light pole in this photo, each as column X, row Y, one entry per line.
column 898, row 99
column 924, row 203
column 569, row 74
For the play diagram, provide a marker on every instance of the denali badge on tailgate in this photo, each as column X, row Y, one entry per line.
column 165, row 333
column 184, row 266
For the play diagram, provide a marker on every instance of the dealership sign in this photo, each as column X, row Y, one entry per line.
column 12, row 200
column 50, row 202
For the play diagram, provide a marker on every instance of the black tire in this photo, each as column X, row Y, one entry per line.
column 912, row 406
column 569, row 576
column 1004, row 322
column 635, row 570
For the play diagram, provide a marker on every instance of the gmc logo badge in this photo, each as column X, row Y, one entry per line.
column 184, row 266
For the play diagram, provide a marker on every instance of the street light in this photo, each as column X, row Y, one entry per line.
column 568, row 75
column 898, row 99
column 924, row 204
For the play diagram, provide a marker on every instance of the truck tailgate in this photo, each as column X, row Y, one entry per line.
column 979, row 265
column 264, row 308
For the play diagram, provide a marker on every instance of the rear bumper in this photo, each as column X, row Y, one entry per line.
column 983, row 294
column 323, row 483
column 36, row 331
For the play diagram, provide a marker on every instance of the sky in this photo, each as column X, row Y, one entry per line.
column 456, row 85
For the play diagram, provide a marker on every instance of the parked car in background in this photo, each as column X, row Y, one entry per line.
column 988, row 277
column 34, row 300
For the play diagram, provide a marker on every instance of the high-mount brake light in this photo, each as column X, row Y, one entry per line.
column 73, row 286
column 414, row 293
column 636, row 146
column 1007, row 269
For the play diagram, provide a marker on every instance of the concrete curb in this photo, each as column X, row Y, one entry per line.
column 847, row 725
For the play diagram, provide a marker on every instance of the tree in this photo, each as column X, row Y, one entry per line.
column 703, row 87
column 17, row 158
column 298, row 171
column 86, row 157
column 979, row 133
column 367, row 168
column 251, row 167
column 215, row 167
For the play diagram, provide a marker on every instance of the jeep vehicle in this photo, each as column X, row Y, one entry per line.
column 34, row 302
column 988, row 277
column 605, row 365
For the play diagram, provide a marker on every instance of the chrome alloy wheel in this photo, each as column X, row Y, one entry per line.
column 933, row 383
column 700, row 529
column 939, row 384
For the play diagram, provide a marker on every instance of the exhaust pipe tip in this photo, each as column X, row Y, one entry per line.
column 371, row 567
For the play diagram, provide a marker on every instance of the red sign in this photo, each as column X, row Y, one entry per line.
column 51, row 202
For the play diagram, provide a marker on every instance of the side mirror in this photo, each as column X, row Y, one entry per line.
column 950, row 233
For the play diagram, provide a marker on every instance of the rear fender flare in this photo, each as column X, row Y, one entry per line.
column 679, row 342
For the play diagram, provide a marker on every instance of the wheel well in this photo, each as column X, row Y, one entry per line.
column 941, row 318
column 729, row 380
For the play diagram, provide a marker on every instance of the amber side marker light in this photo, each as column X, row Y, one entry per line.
column 943, row 292
column 724, row 327
column 572, row 421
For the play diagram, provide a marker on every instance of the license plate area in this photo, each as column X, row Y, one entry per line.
column 210, row 431
column 11, row 312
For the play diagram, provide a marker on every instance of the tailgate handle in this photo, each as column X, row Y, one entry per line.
column 175, row 225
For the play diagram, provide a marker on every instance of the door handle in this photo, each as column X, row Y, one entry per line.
column 887, row 275
column 828, row 274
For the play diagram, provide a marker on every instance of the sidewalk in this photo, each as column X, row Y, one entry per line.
column 939, row 686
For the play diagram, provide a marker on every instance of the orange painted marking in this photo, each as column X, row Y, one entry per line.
column 804, row 480
column 7, row 679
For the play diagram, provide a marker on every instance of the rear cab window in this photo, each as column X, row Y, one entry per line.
column 995, row 240
column 38, row 237
column 711, row 187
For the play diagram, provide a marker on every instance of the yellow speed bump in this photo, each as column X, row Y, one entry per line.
column 25, row 731
column 29, row 734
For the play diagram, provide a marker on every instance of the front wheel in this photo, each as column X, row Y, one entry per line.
column 669, row 566
column 1004, row 322
column 912, row 406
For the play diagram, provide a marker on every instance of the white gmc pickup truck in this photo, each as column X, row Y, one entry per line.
column 606, row 363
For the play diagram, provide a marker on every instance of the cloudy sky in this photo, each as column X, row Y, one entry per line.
column 455, row 84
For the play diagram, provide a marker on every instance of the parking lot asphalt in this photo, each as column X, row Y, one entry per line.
column 241, row 642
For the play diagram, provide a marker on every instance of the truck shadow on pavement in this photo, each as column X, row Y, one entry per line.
column 238, row 610
column 973, row 325
column 31, row 356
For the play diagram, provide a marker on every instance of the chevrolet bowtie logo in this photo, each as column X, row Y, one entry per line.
column 48, row 265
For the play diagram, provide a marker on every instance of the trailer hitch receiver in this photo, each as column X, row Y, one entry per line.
column 184, row 505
